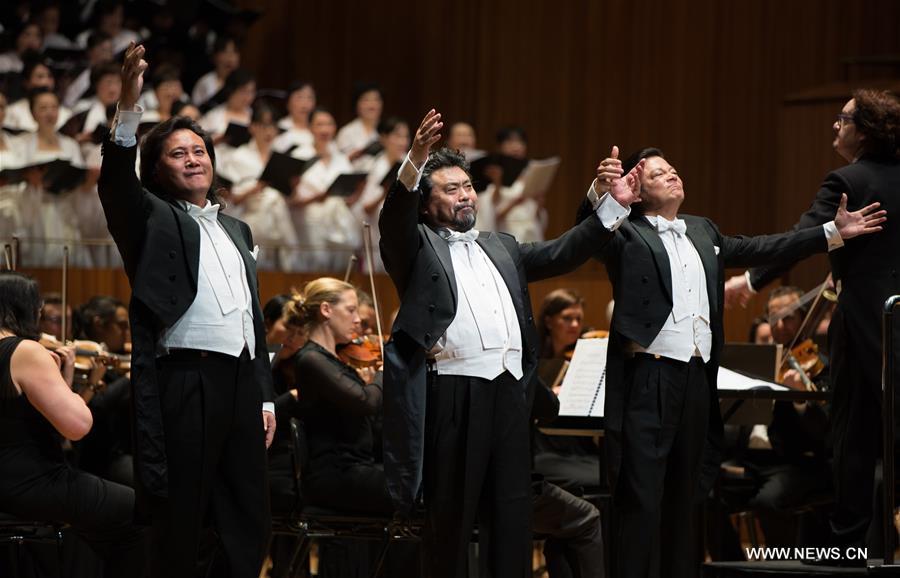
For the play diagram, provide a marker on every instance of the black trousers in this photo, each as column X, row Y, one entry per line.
column 574, row 545
column 216, row 452
column 477, row 466
column 856, row 430
column 663, row 434
column 99, row 511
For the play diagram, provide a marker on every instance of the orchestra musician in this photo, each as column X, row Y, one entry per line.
column 667, row 272
column 37, row 410
column 200, row 368
column 463, row 349
column 866, row 272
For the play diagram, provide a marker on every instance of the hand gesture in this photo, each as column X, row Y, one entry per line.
column 861, row 222
column 132, row 76
column 627, row 190
column 609, row 170
column 737, row 292
column 427, row 135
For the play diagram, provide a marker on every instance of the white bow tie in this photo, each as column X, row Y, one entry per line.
column 456, row 236
column 209, row 212
column 677, row 226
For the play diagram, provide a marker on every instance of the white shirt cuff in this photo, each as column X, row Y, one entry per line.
column 749, row 284
column 125, row 126
column 269, row 406
column 832, row 236
column 608, row 210
column 409, row 174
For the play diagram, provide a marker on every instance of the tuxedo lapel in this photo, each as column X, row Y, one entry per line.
column 190, row 238
column 646, row 232
column 707, row 252
column 442, row 250
column 505, row 266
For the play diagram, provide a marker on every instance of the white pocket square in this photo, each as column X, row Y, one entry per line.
column 716, row 249
column 255, row 252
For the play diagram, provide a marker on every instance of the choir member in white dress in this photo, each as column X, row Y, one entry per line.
column 109, row 17
column 99, row 52
column 263, row 208
column 226, row 59
column 297, row 138
column 394, row 135
column 11, row 201
column 28, row 39
column 240, row 92
column 166, row 91
column 325, row 226
column 523, row 217
column 35, row 74
column 362, row 131
column 48, row 216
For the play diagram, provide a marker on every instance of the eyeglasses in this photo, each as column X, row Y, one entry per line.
column 844, row 118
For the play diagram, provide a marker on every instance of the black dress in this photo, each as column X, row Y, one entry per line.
column 339, row 410
column 37, row 484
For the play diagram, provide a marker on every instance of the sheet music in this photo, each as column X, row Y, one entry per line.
column 538, row 176
column 583, row 392
column 733, row 380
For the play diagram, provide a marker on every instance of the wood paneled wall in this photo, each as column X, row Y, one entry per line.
column 707, row 81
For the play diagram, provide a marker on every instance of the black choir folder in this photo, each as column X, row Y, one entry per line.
column 346, row 184
column 58, row 176
column 236, row 134
column 282, row 170
column 512, row 169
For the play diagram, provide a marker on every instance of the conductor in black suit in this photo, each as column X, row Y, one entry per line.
column 202, row 386
column 462, row 352
column 866, row 272
column 663, row 427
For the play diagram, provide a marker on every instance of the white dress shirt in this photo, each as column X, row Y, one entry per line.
column 221, row 316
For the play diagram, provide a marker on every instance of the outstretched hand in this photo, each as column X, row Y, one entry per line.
column 132, row 76
column 427, row 135
column 862, row 222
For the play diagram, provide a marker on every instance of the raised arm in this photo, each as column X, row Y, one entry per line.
column 124, row 200
column 788, row 248
column 828, row 210
column 594, row 232
column 399, row 218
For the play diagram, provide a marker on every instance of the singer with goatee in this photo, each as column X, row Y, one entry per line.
column 463, row 350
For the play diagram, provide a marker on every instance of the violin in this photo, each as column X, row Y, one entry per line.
column 361, row 352
column 86, row 352
column 803, row 353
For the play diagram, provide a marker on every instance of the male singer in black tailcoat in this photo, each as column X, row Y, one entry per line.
column 200, row 372
column 462, row 352
column 663, row 426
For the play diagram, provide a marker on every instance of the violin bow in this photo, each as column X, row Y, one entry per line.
column 65, row 291
column 350, row 262
column 367, row 239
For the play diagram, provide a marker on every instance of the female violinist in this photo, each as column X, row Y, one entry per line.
column 37, row 409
